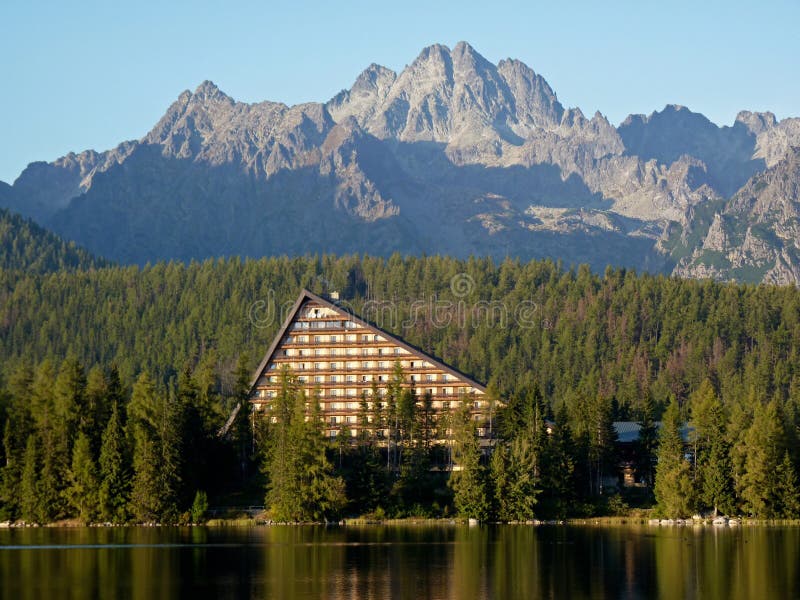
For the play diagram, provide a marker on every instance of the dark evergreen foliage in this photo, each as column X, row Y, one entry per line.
column 567, row 349
column 24, row 246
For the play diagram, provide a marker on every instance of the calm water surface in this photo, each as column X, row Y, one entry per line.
column 401, row 562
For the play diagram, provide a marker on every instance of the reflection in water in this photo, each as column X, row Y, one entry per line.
column 401, row 562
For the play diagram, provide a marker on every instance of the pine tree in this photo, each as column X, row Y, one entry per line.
column 18, row 427
column 788, row 493
column 602, row 441
column 82, row 492
column 242, row 431
column 647, row 444
column 558, row 485
column 280, row 453
column 146, row 504
column 468, row 479
column 674, row 485
column 97, row 408
column 30, row 504
column 712, row 453
column 764, row 441
column 153, row 423
column 199, row 506
column 322, row 493
column 114, row 472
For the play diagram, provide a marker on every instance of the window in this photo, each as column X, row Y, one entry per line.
column 317, row 339
column 319, row 379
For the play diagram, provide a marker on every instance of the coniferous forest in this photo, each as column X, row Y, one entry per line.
column 116, row 381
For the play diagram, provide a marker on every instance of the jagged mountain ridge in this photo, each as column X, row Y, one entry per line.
column 453, row 155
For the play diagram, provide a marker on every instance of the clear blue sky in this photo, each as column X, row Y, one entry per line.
column 79, row 75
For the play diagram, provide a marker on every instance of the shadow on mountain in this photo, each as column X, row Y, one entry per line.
column 153, row 207
column 425, row 168
column 676, row 131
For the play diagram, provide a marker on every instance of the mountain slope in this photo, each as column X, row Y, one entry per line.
column 452, row 155
column 24, row 246
column 756, row 235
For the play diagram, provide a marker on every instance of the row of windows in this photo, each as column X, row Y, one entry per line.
column 301, row 325
column 342, row 352
column 354, row 393
column 382, row 433
column 323, row 339
column 363, row 378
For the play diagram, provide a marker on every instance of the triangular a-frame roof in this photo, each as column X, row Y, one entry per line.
column 306, row 295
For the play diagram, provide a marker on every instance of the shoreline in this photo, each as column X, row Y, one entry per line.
column 719, row 523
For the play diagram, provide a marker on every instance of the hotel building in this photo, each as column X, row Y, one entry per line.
column 341, row 359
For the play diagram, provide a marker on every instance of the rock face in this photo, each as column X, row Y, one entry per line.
column 452, row 155
column 756, row 236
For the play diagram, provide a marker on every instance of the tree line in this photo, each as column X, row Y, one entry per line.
column 82, row 446
column 590, row 350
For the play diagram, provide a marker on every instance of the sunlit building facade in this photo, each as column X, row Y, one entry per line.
column 345, row 362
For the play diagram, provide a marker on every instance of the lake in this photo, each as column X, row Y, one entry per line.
column 412, row 561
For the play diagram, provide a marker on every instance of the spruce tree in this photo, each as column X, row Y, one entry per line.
column 788, row 493
column 468, row 477
column 764, row 441
column 674, row 489
column 153, row 423
column 145, row 503
column 647, row 444
column 280, row 452
column 83, row 489
column 18, row 427
column 712, row 452
column 30, row 503
column 114, row 472
column 97, row 410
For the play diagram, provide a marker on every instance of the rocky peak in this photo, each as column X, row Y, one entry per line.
column 368, row 92
column 756, row 122
column 716, row 238
column 536, row 102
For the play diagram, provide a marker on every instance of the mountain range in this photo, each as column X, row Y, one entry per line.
column 453, row 155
